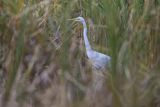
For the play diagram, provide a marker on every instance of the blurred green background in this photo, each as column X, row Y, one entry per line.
column 43, row 61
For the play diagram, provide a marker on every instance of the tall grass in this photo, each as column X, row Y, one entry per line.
column 43, row 61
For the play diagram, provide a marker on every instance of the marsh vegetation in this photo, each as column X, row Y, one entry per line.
column 43, row 61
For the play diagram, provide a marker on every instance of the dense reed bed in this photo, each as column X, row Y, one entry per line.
column 43, row 61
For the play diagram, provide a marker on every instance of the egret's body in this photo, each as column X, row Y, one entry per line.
column 98, row 60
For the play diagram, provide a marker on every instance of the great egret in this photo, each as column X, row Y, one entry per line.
column 98, row 60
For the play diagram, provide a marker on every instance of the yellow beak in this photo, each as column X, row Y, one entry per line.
column 74, row 19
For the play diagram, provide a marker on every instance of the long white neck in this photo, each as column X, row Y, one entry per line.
column 88, row 47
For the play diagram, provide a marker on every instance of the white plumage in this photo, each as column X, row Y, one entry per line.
column 98, row 60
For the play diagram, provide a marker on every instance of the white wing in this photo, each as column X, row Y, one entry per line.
column 98, row 60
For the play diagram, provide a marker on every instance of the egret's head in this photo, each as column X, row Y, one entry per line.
column 79, row 19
